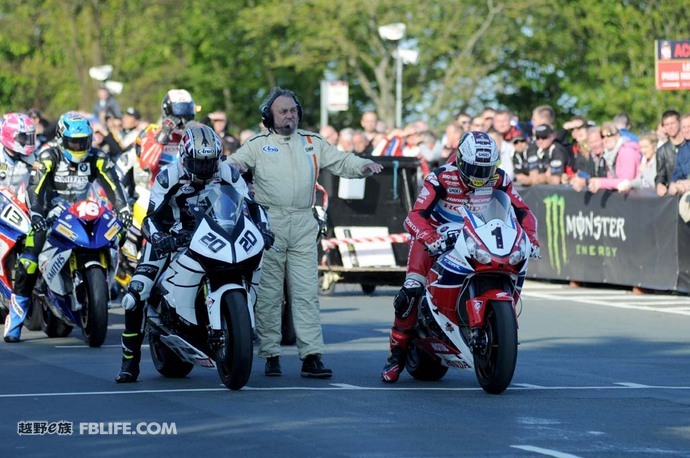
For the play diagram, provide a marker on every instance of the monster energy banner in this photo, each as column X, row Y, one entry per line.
column 634, row 239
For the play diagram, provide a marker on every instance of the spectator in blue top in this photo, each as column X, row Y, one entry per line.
column 680, row 180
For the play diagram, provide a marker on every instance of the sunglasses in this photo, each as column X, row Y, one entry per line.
column 607, row 135
column 540, row 138
column 519, row 141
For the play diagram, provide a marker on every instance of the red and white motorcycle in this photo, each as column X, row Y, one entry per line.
column 468, row 317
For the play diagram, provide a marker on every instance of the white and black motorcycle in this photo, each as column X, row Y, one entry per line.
column 205, row 296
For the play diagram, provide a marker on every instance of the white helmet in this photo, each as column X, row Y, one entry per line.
column 477, row 158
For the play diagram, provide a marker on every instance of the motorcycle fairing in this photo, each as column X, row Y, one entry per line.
column 186, row 351
column 181, row 279
column 448, row 355
column 452, row 331
column 212, row 242
column 51, row 261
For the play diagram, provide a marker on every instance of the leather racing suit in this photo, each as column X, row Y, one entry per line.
column 442, row 193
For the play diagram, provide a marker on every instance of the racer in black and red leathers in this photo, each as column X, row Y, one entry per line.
column 445, row 190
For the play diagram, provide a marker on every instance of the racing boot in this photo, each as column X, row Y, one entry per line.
column 131, row 356
column 395, row 364
column 19, row 305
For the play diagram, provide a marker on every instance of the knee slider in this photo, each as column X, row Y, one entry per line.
column 407, row 298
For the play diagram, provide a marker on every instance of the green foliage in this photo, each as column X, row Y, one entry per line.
column 594, row 57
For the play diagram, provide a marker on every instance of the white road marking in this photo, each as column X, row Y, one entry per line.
column 545, row 451
column 586, row 300
column 349, row 387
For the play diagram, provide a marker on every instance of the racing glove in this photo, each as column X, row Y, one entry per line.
column 38, row 223
column 125, row 215
column 163, row 244
column 434, row 242
column 269, row 237
column 535, row 251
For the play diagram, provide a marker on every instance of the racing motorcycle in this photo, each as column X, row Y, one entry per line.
column 468, row 316
column 76, row 262
column 14, row 225
column 201, row 310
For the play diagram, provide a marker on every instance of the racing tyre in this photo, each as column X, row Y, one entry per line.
column 495, row 364
column 94, row 313
column 422, row 366
column 166, row 362
column 54, row 326
column 234, row 357
column 368, row 288
column 34, row 318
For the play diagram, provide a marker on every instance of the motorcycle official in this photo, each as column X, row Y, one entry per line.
column 285, row 162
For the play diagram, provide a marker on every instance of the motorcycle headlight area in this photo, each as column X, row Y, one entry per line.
column 478, row 254
column 520, row 254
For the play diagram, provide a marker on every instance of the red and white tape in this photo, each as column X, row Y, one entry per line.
column 329, row 244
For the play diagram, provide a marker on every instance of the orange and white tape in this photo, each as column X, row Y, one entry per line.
column 329, row 244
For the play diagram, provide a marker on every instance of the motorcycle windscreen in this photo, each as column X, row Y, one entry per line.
column 223, row 232
column 493, row 218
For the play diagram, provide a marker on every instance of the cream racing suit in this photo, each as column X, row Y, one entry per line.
column 285, row 170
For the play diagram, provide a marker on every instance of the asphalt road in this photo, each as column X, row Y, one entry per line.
column 600, row 373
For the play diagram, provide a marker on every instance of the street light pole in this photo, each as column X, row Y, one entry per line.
column 398, row 87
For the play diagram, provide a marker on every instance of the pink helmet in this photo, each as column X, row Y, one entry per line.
column 18, row 133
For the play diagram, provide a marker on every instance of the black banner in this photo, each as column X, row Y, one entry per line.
column 633, row 239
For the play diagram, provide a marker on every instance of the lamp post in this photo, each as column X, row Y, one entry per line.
column 396, row 32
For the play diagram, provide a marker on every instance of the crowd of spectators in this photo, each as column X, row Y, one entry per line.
column 583, row 153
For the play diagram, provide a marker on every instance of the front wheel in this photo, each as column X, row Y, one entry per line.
column 494, row 364
column 236, row 351
column 94, row 313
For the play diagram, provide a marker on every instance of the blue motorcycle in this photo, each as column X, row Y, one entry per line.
column 76, row 263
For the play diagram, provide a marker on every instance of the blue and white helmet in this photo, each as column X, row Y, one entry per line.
column 477, row 158
column 74, row 135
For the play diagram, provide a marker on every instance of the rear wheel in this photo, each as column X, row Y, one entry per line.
column 234, row 357
column 166, row 362
column 54, row 326
column 495, row 363
column 94, row 313
column 422, row 366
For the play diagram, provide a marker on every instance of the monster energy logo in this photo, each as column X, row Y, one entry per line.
column 592, row 234
column 555, row 231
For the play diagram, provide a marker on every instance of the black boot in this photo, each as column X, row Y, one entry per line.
column 273, row 367
column 131, row 356
column 312, row 367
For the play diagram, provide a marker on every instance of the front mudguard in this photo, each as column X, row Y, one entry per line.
column 476, row 306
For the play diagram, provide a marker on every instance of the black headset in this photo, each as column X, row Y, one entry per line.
column 267, row 113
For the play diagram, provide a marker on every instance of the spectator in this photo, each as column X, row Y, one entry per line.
column 487, row 116
column 666, row 154
column 506, row 151
column 284, row 183
column 506, row 125
column 106, row 103
column 360, row 144
column 622, row 122
column 545, row 114
column 464, row 120
column 647, row 170
column 368, row 122
column 595, row 164
column 345, row 140
column 660, row 135
column 430, row 149
column 578, row 131
column 454, row 133
column 218, row 121
column 45, row 130
column 413, row 138
column 246, row 134
column 546, row 158
column 477, row 124
column 329, row 134
column 622, row 156
column 680, row 180
column 520, row 164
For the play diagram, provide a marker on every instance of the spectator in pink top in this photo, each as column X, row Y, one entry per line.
column 622, row 156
